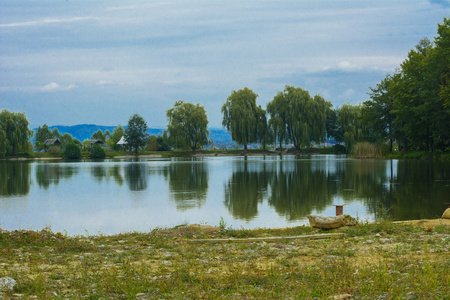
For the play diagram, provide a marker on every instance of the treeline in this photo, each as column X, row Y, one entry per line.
column 409, row 109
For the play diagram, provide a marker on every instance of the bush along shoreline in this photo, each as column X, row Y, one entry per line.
column 380, row 260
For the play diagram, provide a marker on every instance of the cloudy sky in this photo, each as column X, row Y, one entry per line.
column 98, row 62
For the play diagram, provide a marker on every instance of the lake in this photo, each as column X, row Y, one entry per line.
column 122, row 195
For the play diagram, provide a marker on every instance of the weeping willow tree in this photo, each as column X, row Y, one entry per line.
column 14, row 133
column 188, row 125
column 350, row 124
column 297, row 117
column 241, row 116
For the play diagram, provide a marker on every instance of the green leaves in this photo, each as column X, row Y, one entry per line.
column 241, row 116
column 297, row 117
column 14, row 133
column 188, row 125
column 136, row 132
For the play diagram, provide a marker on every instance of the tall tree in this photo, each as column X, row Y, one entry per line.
column 14, row 133
column 136, row 132
column 188, row 125
column 350, row 125
column 278, row 110
column 42, row 134
column 115, row 137
column 297, row 117
column 240, row 116
column 99, row 136
column 379, row 112
column 263, row 132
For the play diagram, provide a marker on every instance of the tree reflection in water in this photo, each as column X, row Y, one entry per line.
column 246, row 188
column 15, row 178
column 51, row 173
column 301, row 186
column 188, row 182
column 136, row 174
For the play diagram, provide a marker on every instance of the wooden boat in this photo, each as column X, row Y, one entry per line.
column 331, row 222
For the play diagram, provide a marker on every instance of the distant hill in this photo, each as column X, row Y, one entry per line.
column 84, row 131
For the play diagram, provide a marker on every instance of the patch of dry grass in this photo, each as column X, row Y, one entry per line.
column 384, row 260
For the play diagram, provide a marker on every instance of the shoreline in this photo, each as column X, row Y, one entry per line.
column 368, row 261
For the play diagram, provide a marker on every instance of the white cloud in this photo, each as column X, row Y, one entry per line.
column 48, row 21
column 104, row 82
column 50, row 87
column 53, row 86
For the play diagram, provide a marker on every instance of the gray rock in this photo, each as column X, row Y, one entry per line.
column 7, row 283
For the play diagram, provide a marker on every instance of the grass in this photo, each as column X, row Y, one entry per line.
column 372, row 261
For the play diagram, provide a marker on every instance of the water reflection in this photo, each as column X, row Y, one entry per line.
column 299, row 187
column 251, row 191
column 419, row 190
column 188, row 183
column 136, row 174
column 106, row 171
column 246, row 188
column 15, row 178
column 51, row 173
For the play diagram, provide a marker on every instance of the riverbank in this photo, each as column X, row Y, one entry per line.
column 383, row 260
column 421, row 155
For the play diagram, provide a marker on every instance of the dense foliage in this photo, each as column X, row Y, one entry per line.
column 241, row 116
column 412, row 107
column 14, row 133
column 136, row 132
column 188, row 125
column 297, row 117
column 72, row 151
column 97, row 151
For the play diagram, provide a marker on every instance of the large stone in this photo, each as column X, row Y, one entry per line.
column 446, row 214
column 7, row 284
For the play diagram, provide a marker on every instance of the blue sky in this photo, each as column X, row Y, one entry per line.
column 98, row 62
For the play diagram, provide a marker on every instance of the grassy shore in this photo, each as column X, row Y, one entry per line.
column 369, row 261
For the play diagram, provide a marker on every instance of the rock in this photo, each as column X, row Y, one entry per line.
column 446, row 214
column 7, row 283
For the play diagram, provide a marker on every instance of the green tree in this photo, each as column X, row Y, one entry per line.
column 42, row 134
column 379, row 113
column 136, row 132
column 14, row 133
column 56, row 134
column 72, row 151
column 115, row 137
column 264, row 135
column 298, row 117
column 240, row 116
column 152, row 143
column 99, row 136
column 162, row 143
column 97, row 151
column 188, row 125
column 350, row 125
column 65, row 140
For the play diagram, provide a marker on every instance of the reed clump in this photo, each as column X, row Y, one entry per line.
column 367, row 150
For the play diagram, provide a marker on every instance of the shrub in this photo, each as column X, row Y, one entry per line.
column 97, row 152
column 339, row 149
column 72, row 151
column 55, row 150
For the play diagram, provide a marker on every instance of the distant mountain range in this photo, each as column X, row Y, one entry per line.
column 84, row 131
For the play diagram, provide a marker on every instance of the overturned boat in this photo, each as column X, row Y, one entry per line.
column 331, row 222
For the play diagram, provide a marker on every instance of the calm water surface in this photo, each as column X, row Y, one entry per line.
column 114, row 196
